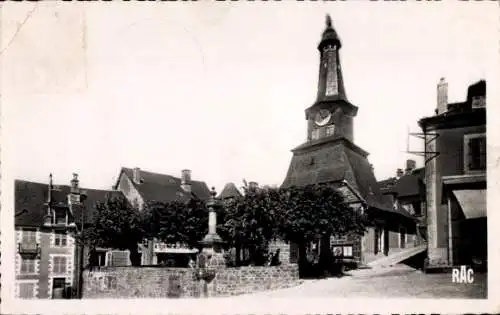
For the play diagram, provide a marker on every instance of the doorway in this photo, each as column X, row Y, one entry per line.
column 58, row 288
column 402, row 237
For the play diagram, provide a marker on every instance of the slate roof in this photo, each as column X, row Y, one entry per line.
column 335, row 162
column 461, row 111
column 166, row 188
column 229, row 191
column 30, row 199
column 407, row 185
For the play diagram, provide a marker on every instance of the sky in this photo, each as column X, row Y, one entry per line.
column 221, row 88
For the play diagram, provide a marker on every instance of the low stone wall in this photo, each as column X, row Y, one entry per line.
column 158, row 282
column 241, row 280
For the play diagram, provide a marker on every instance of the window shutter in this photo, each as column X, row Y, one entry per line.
column 482, row 153
column 470, row 149
column 476, row 154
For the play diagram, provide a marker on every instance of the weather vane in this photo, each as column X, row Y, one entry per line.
column 328, row 21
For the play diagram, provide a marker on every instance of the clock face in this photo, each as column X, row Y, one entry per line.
column 322, row 117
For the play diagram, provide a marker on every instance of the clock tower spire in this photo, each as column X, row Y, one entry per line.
column 332, row 114
column 330, row 83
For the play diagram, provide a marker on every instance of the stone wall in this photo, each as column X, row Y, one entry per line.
column 158, row 282
column 284, row 248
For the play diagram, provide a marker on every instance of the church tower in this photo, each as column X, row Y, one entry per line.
column 329, row 154
column 331, row 114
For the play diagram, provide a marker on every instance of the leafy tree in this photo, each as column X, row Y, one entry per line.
column 250, row 222
column 298, row 214
column 177, row 222
column 316, row 212
column 116, row 224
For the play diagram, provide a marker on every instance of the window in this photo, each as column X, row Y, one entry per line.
column 315, row 134
column 60, row 216
column 59, row 264
column 60, row 240
column 478, row 102
column 27, row 266
column 475, row 152
column 347, row 251
column 417, row 206
column 329, row 130
column 26, row 290
column 29, row 237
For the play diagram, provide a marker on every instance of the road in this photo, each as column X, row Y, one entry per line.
column 399, row 281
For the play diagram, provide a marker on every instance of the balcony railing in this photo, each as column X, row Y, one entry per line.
column 29, row 248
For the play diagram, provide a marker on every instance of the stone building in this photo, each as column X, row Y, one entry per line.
column 455, row 179
column 141, row 187
column 330, row 155
column 47, row 218
column 406, row 192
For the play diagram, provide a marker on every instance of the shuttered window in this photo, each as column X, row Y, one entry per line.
column 475, row 146
column 59, row 264
column 27, row 266
column 60, row 240
column 329, row 130
column 26, row 290
column 29, row 236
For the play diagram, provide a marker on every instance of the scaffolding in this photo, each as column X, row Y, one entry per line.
column 428, row 156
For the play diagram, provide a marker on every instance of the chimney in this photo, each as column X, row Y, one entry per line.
column 410, row 166
column 442, row 96
column 399, row 173
column 253, row 186
column 74, row 184
column 186, row 180
column 136, row 175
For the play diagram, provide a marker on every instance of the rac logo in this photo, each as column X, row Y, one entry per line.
column 462, row 275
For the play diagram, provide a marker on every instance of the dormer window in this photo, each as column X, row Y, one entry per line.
column 478, row 102
column 74, row 199
column 60, row 217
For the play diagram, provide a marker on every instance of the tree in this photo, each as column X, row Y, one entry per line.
column 116, row 224
column 250, row 222
column 316, row 212
column 177, row 222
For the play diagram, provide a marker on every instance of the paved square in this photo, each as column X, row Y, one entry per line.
column 393, row 282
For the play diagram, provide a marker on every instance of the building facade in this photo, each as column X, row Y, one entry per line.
column 141, row 187
column 455, row 179
column 406, row 192
column 48, row 218
column 330, row 155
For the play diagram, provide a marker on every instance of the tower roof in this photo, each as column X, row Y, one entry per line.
column 329, row 34
column 229, row 191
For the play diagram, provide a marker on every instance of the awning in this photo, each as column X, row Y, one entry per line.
column 472, row 201
column 175, row 251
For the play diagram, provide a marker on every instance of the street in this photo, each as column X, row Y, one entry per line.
column 399, row 281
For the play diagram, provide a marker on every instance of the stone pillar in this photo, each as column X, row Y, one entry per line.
column 212, row 243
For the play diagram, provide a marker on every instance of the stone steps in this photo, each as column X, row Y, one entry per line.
column 398, row 257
